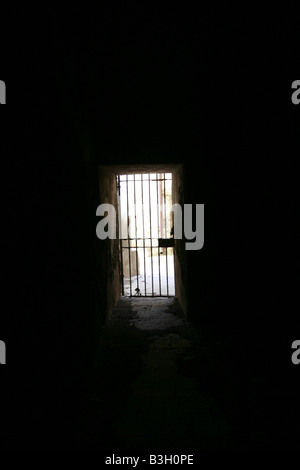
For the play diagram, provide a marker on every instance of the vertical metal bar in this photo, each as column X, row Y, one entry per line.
column 165, row 221
column 128, row 238
column 120, row 232
column 165, row 206
column 167, row 274
column 136, row 247
column 172, row 249
column 144, row 249
column 158, row 214
column 151, row 235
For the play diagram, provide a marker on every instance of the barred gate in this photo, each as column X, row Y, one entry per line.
column 146, row 234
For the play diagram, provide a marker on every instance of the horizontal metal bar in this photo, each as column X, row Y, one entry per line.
column 154, row 245
column 161, row 179
column 147, row 238
column 154, row 295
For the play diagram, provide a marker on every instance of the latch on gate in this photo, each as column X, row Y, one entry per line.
column 166, row 242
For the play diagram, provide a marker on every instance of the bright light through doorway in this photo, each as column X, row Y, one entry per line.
column 146, row 238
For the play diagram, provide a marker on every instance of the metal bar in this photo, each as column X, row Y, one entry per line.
column 165, row 207
column 161, row 179
column 136, row 247
column 172, row 250
column 144, row 249
column 163, row 239
column 167, row 274
column 128, row 238
column 161, row 211
column 151, row 235
column 120, row 232
column 158, row 211
column 151, row 296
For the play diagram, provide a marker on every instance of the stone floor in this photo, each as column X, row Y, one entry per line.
column 161, row 384
column 147, row 393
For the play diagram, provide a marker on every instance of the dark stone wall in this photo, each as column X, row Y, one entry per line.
column 109, row 264
column 181, row 285
column 94, row 90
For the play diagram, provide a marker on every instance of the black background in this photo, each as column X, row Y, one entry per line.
column 205, row 86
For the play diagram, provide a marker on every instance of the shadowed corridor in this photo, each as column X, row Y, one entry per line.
column 152, row 396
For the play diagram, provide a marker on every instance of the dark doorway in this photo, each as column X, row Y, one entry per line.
column 145, row 260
